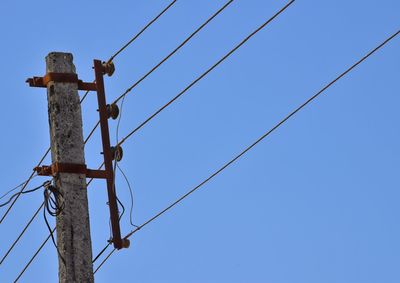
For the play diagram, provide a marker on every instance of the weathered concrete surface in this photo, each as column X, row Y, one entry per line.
column 65, row 119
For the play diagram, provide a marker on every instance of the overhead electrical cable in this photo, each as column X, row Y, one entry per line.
column 206, row 72
column 183, row 43
column 134, row 38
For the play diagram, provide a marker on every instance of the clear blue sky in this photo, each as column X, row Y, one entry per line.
column 318, row 201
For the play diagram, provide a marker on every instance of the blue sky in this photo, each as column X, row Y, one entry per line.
column 315, row 202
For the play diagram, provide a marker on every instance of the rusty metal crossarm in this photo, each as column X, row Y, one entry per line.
column 100, row 69
column 57, row 167
column 61, row 78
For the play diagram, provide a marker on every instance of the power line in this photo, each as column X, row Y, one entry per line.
column 175, row 50
column 280, row 123
column 13, row 189
column 34, row 256
column 24, row 192
column 133, row 39
column 84, row 96
column 21, row 234
column 207, row 72
column 141, row 31
column 104, row 260
column 131, row 194
column 183, row 43
column 24, row 186
column 45, row 203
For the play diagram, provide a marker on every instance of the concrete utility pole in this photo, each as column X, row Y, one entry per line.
column 65, row 119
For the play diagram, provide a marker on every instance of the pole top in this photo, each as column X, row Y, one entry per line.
column 60, row 62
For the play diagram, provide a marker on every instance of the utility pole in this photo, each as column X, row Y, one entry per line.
column 68, row 166
column 67, row 147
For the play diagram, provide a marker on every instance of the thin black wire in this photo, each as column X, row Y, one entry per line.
column 280, row 123
column 184, row 42
column 52, row 236
column 21, row 193
column 101, row 252
column 24, row 186
column 15, row 188
column 57, row 208
column 117, row 166
column 29, row 222
column 206, row 72
column 143, row 29
column 131, row 194
column 134, row 38
column 175, row 50
column 116, row 158
column 104, row 260
column 86, row 93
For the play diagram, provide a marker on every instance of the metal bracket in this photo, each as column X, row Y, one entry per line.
column 58, row 167
column 100, row 70
column 60, row 78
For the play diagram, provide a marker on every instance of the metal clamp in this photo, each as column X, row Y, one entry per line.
column 60, row 78
column 108, row 68
column 112, row 111
column 58, row 167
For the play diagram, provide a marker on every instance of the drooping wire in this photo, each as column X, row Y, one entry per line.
column 86, row 93
column 15, row 188
column 130, row 215
column 53, row 205
column 116, row 162
column 248, row 148
column 29, row 222
column 117, row 157
column 16, row 195
column 131, row 195
column 24, row 186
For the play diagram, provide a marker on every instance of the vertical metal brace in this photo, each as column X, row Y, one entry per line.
column 118, row 242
